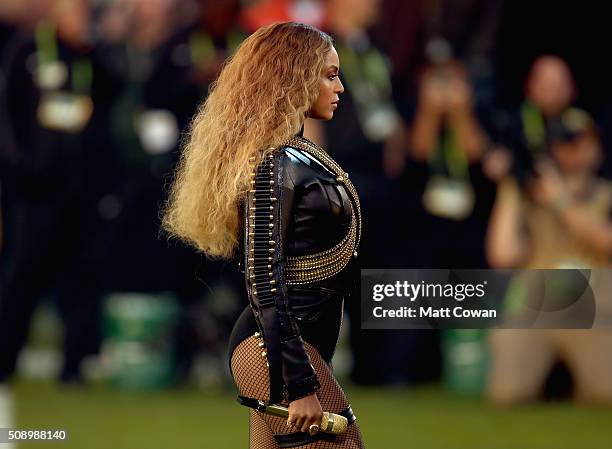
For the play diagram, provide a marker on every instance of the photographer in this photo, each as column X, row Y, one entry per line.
column 556, row 154
column 524, row 133
column 559, row 217
column 54, row 238
column 448, row 139
column 445, row 100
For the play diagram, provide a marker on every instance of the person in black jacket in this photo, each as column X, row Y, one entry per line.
column 249, row 184
column 54, row 235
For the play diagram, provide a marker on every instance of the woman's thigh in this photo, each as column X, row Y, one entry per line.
column 252, row 379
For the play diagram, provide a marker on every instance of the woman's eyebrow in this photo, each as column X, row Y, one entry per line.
column 334, row 67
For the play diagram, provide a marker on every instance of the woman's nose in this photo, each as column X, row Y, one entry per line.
column 340, row 87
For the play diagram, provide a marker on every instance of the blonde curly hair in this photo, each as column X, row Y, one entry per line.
column 260, row 99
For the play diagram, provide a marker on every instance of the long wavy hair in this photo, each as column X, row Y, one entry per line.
column 260, row 99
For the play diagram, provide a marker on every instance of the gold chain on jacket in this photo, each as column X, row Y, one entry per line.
column 325, row 264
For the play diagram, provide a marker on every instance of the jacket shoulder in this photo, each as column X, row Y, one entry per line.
column 302, row 166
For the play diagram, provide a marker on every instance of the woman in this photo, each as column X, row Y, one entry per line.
column 249, row 183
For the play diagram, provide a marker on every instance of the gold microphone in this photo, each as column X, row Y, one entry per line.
column 330, row 423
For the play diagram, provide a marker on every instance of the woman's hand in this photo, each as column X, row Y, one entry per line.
column 305, row 412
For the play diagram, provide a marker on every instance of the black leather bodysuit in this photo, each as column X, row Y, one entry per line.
column 302, row 224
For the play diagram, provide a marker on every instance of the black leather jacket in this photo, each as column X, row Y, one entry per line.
column 301, row 208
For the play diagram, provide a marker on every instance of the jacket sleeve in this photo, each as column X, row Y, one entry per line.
column 270, row 205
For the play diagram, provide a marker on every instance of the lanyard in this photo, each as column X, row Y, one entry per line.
column 448, row 157
column 47, row 53
column 367, row 73
column 533, row 127
column 46, row 43
column 82, row 74
column 369, row 79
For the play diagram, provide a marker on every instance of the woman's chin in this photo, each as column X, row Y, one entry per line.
column 325, row 116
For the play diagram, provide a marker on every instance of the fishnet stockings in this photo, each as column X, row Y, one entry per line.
column 251, row 377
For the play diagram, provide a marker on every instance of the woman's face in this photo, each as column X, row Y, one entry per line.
column 330, row 87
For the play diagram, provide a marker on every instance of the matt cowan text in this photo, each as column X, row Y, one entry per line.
column 431, row 312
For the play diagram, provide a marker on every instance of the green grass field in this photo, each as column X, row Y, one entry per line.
column 423, row 418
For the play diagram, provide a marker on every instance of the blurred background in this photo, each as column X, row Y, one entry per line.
column 477, row 132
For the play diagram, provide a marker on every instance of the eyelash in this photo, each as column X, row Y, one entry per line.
column 332, row 77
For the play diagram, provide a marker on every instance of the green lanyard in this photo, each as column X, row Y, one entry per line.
column 82, row 75
column 47, row 53
column 367, row 73
column 533, row 127
column 46, row 43
column 448, row 157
